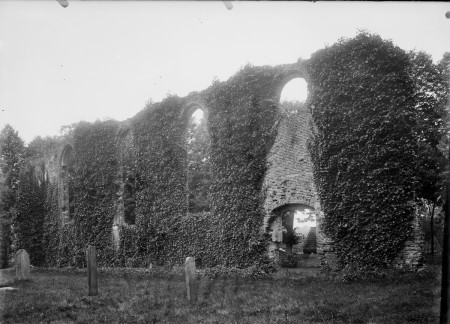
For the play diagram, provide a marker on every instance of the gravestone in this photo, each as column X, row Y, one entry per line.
column 191, row 279
column 22, row 264
column 91, row 255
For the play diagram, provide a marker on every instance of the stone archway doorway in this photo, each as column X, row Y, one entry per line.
column 294, row 233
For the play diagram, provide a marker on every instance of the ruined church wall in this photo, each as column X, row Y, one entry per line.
column 289, row 179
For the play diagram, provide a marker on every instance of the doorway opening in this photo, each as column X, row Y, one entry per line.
column 294, row 233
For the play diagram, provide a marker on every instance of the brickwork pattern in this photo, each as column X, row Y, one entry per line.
column 289, row 179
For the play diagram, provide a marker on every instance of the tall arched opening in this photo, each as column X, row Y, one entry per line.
column 292, row 206
column 125, row 204
column 294, row 228
column 67, row 198
column 128, row 178
column 198, row 159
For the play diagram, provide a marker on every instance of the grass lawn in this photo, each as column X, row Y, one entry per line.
column 61, row 297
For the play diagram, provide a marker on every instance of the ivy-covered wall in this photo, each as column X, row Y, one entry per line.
column 243, row 123
column 363, row 148
column 289, row 182
column 138, row 167
column 128, row 180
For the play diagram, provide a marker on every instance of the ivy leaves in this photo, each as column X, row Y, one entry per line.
column 363, row 147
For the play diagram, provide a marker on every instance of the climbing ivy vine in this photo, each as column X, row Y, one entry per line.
column 243, row 123
column 363, row 148
column 361, row 96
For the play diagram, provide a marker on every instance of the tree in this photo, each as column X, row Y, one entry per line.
column 28, row 219
column 11, row 158
column 40, row 146
column 431, row 95
column 445, row 285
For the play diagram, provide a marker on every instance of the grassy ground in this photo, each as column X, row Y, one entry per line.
column 59, row 297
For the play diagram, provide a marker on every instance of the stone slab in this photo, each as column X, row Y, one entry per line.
column 191, row 279
column 22, row 265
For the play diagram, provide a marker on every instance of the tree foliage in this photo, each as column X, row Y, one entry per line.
column 11, row 153
column 11, row 159
column 42, row 146
column 161, row 195
column 94, row 188
column 431, row 97
column 28, row 220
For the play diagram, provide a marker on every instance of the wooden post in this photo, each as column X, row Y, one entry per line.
column 91, row 255
column 445, row 284
column 432, row 233
column 191, row 280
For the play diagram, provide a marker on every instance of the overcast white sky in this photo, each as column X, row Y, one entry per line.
column 94, row 60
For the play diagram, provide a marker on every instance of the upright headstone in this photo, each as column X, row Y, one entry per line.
column 22, row 264
column 91, row 255
column 191, row 279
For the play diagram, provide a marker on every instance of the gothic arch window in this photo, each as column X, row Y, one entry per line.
column 67, row 199
column 198, row 159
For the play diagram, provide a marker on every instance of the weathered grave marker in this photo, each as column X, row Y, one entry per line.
column 22, row 264
column 91, row 255
column 191, row 280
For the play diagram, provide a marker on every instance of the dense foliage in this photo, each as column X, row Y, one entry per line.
column 161, row 196
column 243, row 122
column 369, row 116
column 94, row 187
column 153, row 171
column 11, row 159
column 431, row 97
column 28, row 221
column 92, row 191
column 197, row 189
column 53, row 232
column 241, row 126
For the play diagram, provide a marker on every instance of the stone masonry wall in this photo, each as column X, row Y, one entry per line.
column 289, row 180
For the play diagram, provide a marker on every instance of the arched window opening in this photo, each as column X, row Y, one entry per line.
column 66, row 164
column 127, row 189
column 293, row 96
column 198, row 167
